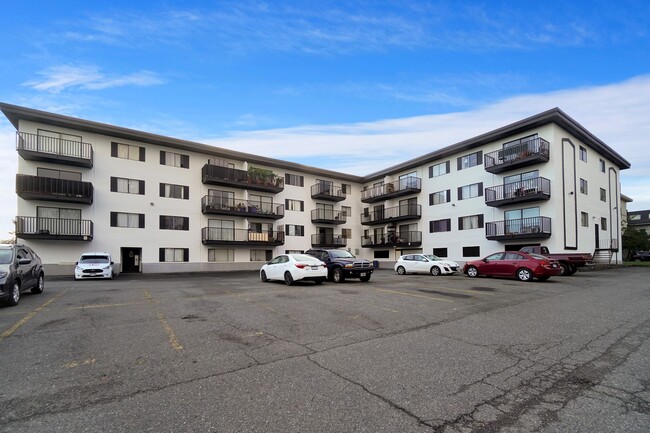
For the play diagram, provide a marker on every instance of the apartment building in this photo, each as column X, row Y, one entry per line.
column 160, row 204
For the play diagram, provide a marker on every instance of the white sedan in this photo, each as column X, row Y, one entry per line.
column 294, row 267
column 425, row 264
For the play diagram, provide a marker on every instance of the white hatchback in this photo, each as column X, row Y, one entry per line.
column 294, row 267
column 94, row 265
column 425, row 264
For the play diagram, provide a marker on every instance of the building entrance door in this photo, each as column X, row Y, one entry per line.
column 131, row 259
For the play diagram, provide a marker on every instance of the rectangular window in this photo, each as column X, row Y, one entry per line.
column 346, row 188
column 218, row 255
column 583, row 154
column 470, row 222
column 603, row 223
column 169, row 222
column 471, row 251
column 131, row 220
column 443, row 225
column 346, row 233
column 470, row 160
column 294, row 205
column 584, row 219
column 174, row 191
column 470, row 191
column 261, row 255
column 174, row 255
column 439, row 169
column 440, row 252
column 58, row 174
column 174, row 159
column 295, row 230
column 439, row 197
column 583, row 186
column 294, row 179
column 601, row 164
column 127, row 186
column 346, row 211
column 127, row 151
column 603, row 194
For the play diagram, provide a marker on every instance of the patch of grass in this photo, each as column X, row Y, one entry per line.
column 639, row 264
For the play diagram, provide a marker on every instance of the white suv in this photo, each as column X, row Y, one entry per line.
column 94, row 265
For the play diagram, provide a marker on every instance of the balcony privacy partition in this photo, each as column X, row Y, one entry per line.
column 327, row 191
column 392, row 240
column 51, row 189
column 36, row 147
column 252, row 179
column 530, row 152
column 538, row 188
column 323, row 240
column 328, row 216
column 398, row 188
column 392, row 214
column 524, row 228
column 54, row 229
column 217, row 205
column 227, row 236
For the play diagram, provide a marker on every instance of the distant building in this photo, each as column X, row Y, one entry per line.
column 639, row 219
column 160, row 204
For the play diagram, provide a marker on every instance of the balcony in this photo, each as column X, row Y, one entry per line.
column 398, row 188
column 393, row 240
column 392, row 214
column 328, row 216
column 520, row 155
column 35, row 147
column 50, row 189
column 253, row 179
column 221, row 236
column 54, row 229
column 535, row 189
column 216, row 205
column 327, row 191
column 323, row 240
column 525, row 228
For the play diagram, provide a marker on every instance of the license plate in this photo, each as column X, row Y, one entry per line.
column 362, row 274
column 314, row 268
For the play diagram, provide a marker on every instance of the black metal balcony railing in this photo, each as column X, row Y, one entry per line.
column 57, row 150
column 398, row 188
column 391, row 214
column 47, row 188
column 520, row 155
column 392, row 240
column 328, row 216
column 224, row 236
column 524, row 228
column 241, row 207
column 54, row 228
column 327, row 191
column 328, row 240
column 538, row 188
column 219, row 175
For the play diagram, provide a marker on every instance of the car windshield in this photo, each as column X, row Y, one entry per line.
column 341, row 254
column 93, row 259
column 5, row 256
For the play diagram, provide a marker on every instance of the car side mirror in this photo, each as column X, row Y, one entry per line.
column 486, row 260
column 112, row 263
column 76, row 263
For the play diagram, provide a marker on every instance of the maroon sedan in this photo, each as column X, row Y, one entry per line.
column 521, row 266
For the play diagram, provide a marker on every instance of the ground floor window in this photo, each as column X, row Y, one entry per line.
column 219, row 255
column 440, row 252
column 472, row 251
column 174, row 254
column 261, row 255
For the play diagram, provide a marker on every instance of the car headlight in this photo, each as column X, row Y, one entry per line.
column 107, row 268
column 349, row 265
column 3, row 274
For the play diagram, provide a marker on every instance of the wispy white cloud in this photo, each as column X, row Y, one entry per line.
column 61, row 77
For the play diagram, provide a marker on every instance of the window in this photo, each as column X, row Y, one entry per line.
column 346, row 233
column 439, row 197
column 220, row 230
column 584, row 219
column 174, row 191
column 443, row 225
column 218, row 199
column 470, row 222
column 60, row 143
column 470, row 160
column 295, row 205
column 294, row 179
column 439, row 169
column 472, row 251
column 168, row 222
column 603, row 223
column 583, row 186
column 58, row 174
column 127, row 151
column 346, row 188
column 583, row 154
column 440, row 252
column 60, row 221
column 346, row 211
column 128, row 186
column 261, row 255
column 634, row 217
column 174, row 159
column 470, row 191
column 131, row 220
column 217, row 255
column 603, row 194
column 174, row 255
column 295, row 230
column 601, row 164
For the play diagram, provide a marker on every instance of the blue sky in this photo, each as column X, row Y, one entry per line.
column 378, row 82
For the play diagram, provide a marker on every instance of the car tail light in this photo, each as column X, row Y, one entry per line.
column 301, row 266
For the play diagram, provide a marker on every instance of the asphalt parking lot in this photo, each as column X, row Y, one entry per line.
column 415, row 353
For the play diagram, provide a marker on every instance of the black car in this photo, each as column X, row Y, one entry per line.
column 21, row 269
column 641, row 256
column 342, row 264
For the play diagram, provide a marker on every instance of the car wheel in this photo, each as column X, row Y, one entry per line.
column 524, row 274
column 435, row 271
column 365, row 279
column 15, row 294
column 263, row 277
column 573, row 270
column 566, row 269
column 472, row 272
column 337, row 275
column 544, row 278
column 288, row 279
column 40, row 285
column 401, row 270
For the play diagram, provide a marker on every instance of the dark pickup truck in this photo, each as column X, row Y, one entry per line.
column 569, row 262
column 342, row 264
